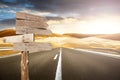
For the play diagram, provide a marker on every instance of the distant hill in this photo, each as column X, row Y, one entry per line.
column 78, row 35
column 89, row 42
column 7, row 32
column 104, row 36
column 11, row 32
column 110, row 36
column 68, row 35
column 71, row 35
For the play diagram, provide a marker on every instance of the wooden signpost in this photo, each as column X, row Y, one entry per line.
column 28, row 25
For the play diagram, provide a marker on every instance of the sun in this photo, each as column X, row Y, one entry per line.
column 101, row 26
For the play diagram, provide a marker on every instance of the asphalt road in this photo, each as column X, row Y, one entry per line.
column 63, row 64
column 42, row 66
column 82, row 65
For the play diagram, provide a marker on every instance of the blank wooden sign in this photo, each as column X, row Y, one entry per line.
column 32, row 47
column 19, row 38
column 30, row 17
column 28, row 23
column 33, row 24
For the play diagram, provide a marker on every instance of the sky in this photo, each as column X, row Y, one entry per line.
column 66, row 16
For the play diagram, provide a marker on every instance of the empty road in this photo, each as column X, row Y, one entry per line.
column 63, row 64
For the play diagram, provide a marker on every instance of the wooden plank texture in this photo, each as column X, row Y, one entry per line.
column 19, row 38
column 30, row 17
column 25, row 30
column 32, row 47
column 33, row 24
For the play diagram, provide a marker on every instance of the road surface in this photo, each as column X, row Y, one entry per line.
column 42, row 66
column 84, row 65
column 63, row 64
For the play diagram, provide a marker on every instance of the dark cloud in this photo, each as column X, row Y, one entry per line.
column 70, row 6
column 7, row 23
column 54, row 18
column 83, row 6
column 14, row 1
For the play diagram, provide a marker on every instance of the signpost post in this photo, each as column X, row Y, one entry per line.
column 28, row 25
column 24, row 65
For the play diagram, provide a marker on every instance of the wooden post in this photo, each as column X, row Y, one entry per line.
column 24, row 65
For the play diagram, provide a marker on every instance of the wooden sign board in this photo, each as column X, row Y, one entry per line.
column 19, row 38
column 33, row 24
column 32, row 47
column 30, row 17
column 25, row 30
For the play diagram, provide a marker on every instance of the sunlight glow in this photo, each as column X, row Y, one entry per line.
column 94, row 25
column 101, row 26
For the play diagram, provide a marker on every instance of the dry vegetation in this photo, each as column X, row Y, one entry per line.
column 2, row 44
column 6, row 45
column 8, row 32
column 90, row 42
column 111, row 36
column 93, row 43
column 8, row 52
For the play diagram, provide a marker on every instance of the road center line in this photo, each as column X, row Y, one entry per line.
column 55, row 56
column 59, row 67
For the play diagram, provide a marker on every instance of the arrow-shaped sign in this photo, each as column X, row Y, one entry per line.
column 19, row 38
column 32, row 47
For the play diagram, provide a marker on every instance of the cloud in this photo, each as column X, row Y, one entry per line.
column 39, row 13
column 68, row 8
column 63, row 21
column 3, row 6
column 7, row 11
column 10, row 1
column 62, row 8
column 8, row 23
column 14, row 1
column 11, row 11
column 54, row 18
column 65, row 25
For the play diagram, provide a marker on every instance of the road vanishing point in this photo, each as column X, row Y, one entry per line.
column 63, row 64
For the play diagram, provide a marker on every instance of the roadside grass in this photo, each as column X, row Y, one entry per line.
column 6, row 45
column 7, row 52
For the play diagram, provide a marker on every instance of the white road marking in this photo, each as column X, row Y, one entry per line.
column 100, row 53
column 55, row 56
column 59, row 67
column 10, row 55
column 5, row 49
